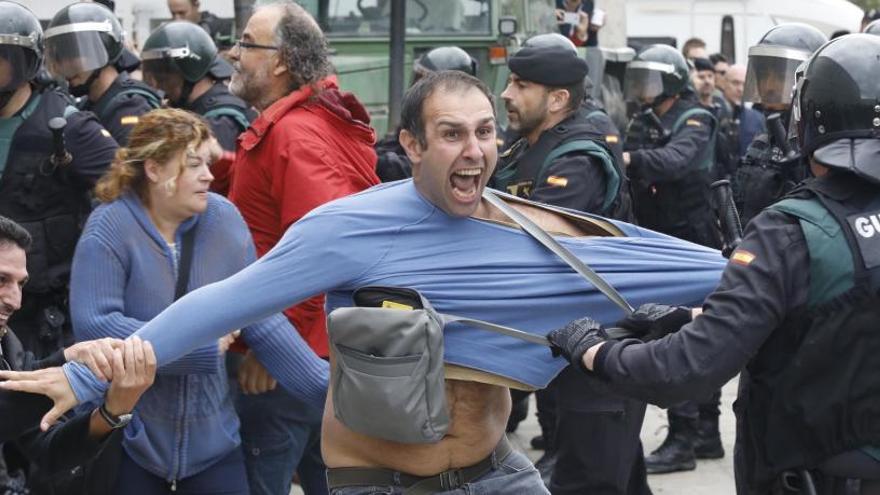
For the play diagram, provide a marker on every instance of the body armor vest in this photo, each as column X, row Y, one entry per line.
column 120, row 88
column 681, row 208
column 813, row 390
column 520, row 169
column 42, row 197
column 764, row 176
column 219, row 102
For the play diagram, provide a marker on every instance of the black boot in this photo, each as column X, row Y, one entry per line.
column 708, row 443
column 676, row 453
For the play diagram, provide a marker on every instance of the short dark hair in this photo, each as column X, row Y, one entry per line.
column 576, row 94
column 715, row 58
column 302, row 45
column 11, row 233
column 411, row 114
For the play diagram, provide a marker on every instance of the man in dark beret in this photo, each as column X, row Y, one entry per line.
column 565, row 156
column 561, row 157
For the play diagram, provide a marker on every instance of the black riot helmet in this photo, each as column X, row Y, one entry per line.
column 444, row 58
column 658, row 72
column 82, row 37
column 772, row 62
column 21, row 48
column 837, row 106
column 179, row 47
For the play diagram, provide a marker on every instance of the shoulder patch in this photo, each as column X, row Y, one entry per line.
column 105, row 133
column 742, row 257
column 557, row 181
column 693, row 123
column 612, row 139
column 129, row 120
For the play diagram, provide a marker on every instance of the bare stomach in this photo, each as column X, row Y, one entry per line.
column 478, row 416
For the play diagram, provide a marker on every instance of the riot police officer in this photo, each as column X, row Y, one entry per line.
column 671, row 155
column 45, row 177
column 797, row 306
column 392, row 163
column 772, row 164
column 83, row 44
column 563, row 158
column 181, row 60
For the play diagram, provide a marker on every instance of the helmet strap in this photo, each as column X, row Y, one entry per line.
column 185, row 91
column 81, row 90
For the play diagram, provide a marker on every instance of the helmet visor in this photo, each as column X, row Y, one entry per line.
column 17, row 65
column 162, row 74
column 644, row 80
column 770, row 77
column 75, row 48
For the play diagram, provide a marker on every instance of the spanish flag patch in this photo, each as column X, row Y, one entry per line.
column 557, row 181
column 742, row 257
column 693, row 123
column 612, row 138
column 129, row 120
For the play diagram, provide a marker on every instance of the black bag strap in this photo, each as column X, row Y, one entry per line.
column 183, row 269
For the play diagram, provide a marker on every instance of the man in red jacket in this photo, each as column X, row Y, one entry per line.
column 311, row 144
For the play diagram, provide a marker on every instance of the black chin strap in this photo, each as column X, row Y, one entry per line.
column 183, row 101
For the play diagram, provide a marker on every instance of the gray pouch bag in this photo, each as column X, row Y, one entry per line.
column 387, row 380
column 388, row 377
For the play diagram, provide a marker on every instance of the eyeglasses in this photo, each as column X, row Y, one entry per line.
column 244, row 44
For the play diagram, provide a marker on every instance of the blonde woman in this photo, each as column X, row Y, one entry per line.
column 158, row 234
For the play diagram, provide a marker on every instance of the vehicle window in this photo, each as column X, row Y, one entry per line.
column 423, row 17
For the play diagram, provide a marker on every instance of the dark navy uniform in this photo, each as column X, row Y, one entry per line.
column 569, row 165
column 670, row 179
column 121, row 106
column 777, row 311
column 52, row 203
column 766, row 173
column 227, row 114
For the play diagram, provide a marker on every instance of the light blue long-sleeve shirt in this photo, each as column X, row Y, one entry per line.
column 124, row 275
column 390, row 235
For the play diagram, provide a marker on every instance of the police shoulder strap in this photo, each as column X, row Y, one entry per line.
column 598, row 151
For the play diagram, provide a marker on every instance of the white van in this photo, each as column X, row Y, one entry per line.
column 731, row 27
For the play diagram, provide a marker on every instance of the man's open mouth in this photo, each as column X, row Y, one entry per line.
column 466, row 184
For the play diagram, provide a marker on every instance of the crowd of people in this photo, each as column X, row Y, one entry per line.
column 177, row 225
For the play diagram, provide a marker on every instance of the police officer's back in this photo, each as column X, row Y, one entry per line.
column 670, row 149
column 84, row 41
column 43, row 187
column 797, row 306
column 772, row 164
column 562, row 157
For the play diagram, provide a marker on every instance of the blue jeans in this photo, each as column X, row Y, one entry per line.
column 279, row 436
column 514, row 474
column 225, row 477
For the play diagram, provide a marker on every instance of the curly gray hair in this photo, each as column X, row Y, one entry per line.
column 302, row 46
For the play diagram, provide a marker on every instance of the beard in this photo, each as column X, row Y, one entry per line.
column 527, row 121
column 250, row 87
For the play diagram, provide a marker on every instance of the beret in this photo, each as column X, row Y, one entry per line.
column 548, row 65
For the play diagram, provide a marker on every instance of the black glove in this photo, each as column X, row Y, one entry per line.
column 573, row 340
column 653, row 321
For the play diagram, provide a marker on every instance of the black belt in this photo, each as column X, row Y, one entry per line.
column 418, row 485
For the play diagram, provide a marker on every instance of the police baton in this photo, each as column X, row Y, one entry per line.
column 60, row 155
column 728, row 216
